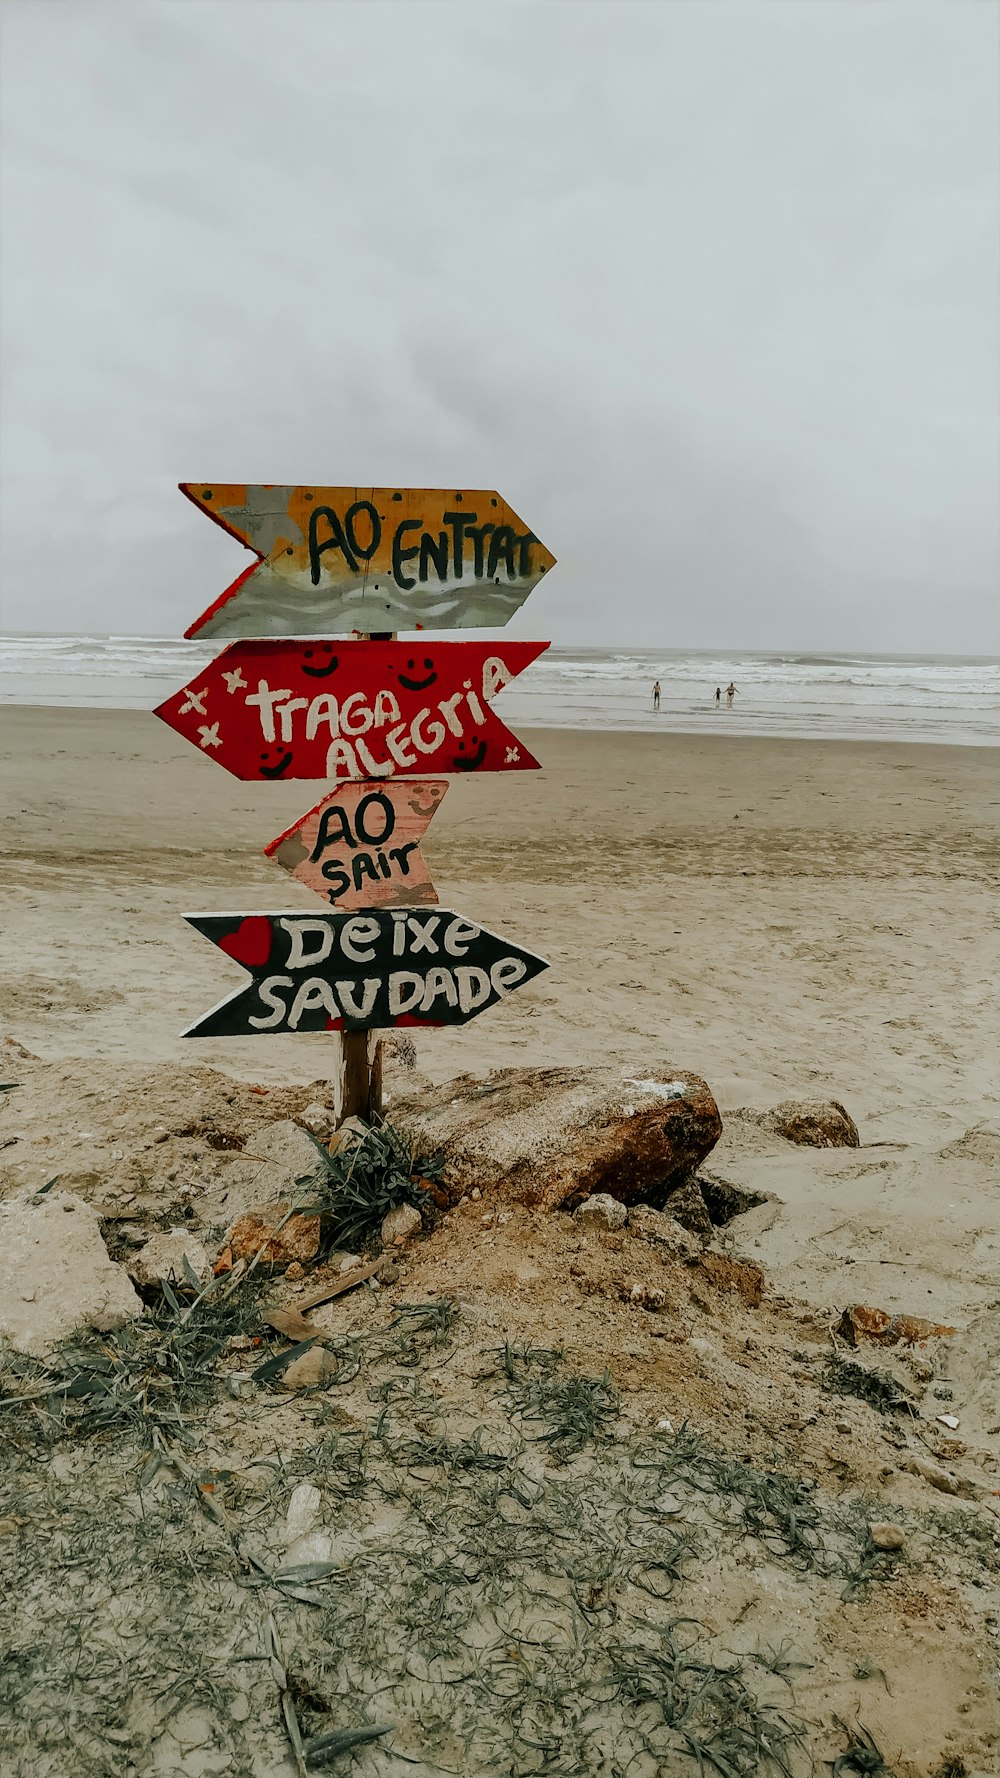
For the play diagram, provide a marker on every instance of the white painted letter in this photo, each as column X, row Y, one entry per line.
column 373, row 767
column 356, row 932
column 298, row 930
column 459, row 936
column 341, row 753
column 474, row 987
column 397, row 746
column 386, row 708
column 266, row 699
column 430, row 742
column 439, row 981
column 506, row 973
column 405, row 992
column 313, row 994
column 447, row 709
column 285, row 713
column 360, row 719
column 266, row 992
column 495, row 677
column 346, row 990
column 322, row 709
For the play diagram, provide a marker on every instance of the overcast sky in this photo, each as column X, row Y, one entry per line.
column 708, row 291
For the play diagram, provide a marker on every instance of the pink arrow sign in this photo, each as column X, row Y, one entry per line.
column 360, row 847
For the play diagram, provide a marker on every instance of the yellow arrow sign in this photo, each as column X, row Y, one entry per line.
column 369, row 559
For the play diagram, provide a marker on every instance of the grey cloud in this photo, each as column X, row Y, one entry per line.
column 709, row 293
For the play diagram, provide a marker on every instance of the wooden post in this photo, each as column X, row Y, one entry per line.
column 360, row 1072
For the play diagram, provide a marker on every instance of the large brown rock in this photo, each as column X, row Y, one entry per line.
column 553, row 1136
column 822, row 1124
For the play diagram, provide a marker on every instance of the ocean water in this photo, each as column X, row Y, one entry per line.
column 837, row 696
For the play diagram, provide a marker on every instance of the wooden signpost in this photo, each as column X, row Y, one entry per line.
column 369, row 559
column 370, row 711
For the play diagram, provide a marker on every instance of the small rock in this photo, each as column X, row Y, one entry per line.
column 315, row 1546
column 887, row 1536
column 602, row 1209
column 662, row 1231
column 348, row 1262
column 319, row 1119
column 295, row 1271
column 162, row 1258
column 303, row 1510
column 859, row 1322
column 258, row 1232
column 352, row 1131
column 310, row 1370
column 389, row 1272
column 725, row 1200
column 56, row 1276
column 161, row 1135
column 649, row 1296
column 475, row 1193
column 949, row 1420
column 944, row 1394
column 843, row 1426
column 687, row 1206
column 400, row 1225
column 815, row 1124
column 942, row 1479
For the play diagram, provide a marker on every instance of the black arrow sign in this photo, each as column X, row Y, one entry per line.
column 359, row 971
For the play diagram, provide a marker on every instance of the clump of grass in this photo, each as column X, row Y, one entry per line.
column 575, row 1409
column 777, row 1509
column 842, row 1376
column 720, row 1722
column 354, row 1187
column 148, row 1375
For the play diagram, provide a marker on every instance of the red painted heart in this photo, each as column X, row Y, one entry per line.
column 251, row 941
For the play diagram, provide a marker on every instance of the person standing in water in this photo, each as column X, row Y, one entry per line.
column 718, row 696
column 656, row 695
column 730, row 695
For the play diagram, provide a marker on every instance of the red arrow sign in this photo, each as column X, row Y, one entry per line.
column 360, row 847
column 353, row 709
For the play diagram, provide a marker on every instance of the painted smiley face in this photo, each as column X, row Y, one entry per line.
column 470, row 762
column 279, row 763
column 314, row 664
column 410, row 684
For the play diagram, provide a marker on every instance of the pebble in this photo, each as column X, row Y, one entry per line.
column 600, row 1207
column 843, row 1426
column 887, row 1536
column 400, row 1225
column 310, row 1371
column 303, row 1510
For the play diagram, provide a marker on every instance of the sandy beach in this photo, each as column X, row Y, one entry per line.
column 786, row 919
column 789, row 920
